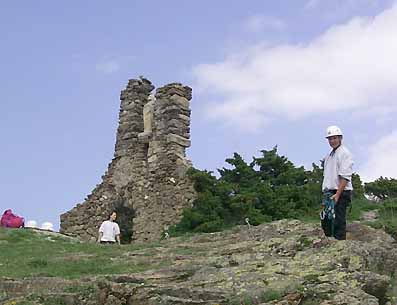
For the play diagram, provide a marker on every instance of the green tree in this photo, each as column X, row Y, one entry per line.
column 241, row 175
column 294, row 189
column 207, row 213
column 270, row 187
column 382, row 188
column 313, row 185
column 358, row 188
column 278, row 170
column 242, row 201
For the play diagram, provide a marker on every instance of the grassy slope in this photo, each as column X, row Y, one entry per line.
column 25, row 253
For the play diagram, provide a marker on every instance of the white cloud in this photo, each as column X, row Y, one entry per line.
column 381, row 159
column 340, row 5
column 108, row 66
column 258, row 23
column 348, row 68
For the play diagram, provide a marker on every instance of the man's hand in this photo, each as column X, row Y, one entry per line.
column 341, row 188
column 335, row 198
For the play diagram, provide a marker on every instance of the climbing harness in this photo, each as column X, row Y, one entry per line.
column 329, row 210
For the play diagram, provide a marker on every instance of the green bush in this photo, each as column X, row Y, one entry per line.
column 269, row 188
column 382, row 188
column 388, row 217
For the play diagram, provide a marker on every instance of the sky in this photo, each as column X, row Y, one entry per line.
column 263, row 73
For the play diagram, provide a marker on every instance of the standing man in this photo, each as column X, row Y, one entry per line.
column 337, row 185
column 109, row 232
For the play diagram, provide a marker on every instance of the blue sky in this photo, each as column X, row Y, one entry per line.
column 263, row 73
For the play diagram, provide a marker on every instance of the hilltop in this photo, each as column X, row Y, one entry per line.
column 273, row 263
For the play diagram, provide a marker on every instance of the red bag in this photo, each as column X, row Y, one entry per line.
column 9, row 220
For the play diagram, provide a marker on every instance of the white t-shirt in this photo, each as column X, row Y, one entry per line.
column 339, row 163
column 110, row 230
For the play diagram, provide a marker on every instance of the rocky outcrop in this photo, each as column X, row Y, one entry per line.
column 146, row 182
column 278, row 263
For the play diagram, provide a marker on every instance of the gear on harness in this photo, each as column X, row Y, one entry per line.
column 328, row 213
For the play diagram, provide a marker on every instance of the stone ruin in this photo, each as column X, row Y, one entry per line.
column 146, row 182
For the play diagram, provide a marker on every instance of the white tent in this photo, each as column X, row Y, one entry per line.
column 31, row 224
column 47, row 226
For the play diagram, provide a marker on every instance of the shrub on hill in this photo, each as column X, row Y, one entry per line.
column 382, row 188
column 269, row 188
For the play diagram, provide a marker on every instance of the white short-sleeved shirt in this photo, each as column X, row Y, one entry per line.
column 110, row 230
column 338, row 163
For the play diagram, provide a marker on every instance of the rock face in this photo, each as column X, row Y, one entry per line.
column 146, row 181
column 271, row 264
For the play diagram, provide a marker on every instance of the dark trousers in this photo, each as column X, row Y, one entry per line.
column 339, row 223
column 107, row 242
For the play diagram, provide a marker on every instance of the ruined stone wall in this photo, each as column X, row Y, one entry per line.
column 146, row 181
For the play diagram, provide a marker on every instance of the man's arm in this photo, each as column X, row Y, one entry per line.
column 100, row 237
column 117, row 233
column 345, row 173
column 341, row 188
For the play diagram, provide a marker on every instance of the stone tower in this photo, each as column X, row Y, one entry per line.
column 146, row 181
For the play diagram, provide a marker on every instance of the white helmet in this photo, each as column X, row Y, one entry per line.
column 333, row 131
column 47, row 226
column 31, row 224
